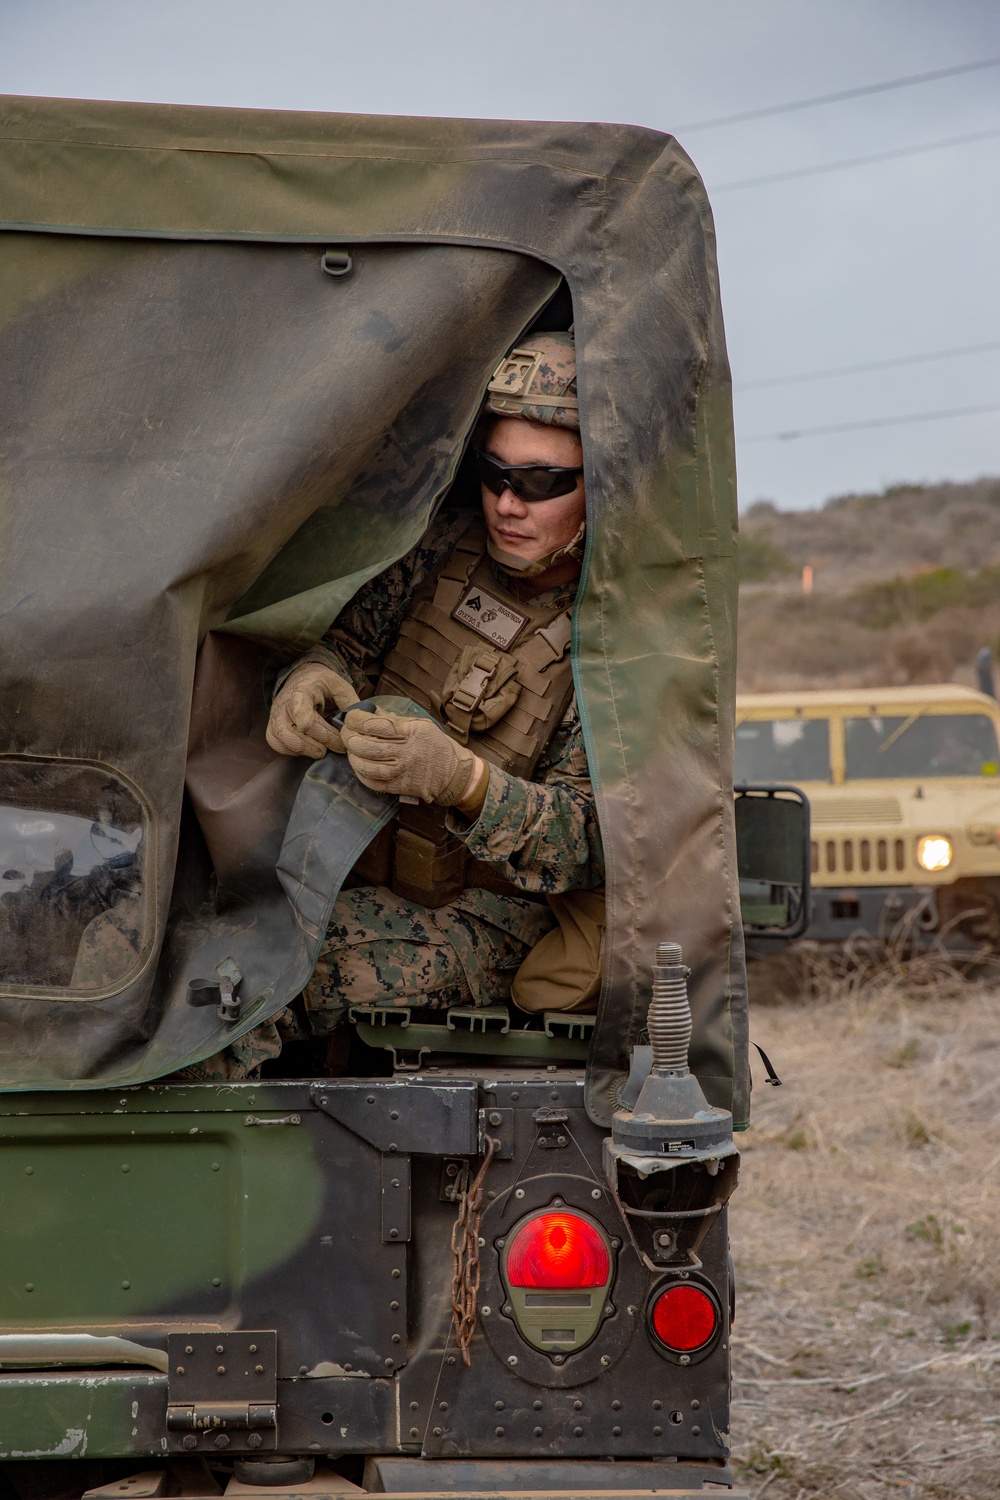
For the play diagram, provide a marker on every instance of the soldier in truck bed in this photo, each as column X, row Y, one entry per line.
column 473, row 624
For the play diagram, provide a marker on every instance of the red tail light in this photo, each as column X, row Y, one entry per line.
column 558, row 1250
column 684, row 1318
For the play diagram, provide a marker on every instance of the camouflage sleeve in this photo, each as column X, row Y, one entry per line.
column 362, row 633
column 543, row 834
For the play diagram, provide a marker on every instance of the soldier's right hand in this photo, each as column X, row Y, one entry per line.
column 297, row 725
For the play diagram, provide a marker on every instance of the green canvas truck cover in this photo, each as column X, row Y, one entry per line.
column 209, row 444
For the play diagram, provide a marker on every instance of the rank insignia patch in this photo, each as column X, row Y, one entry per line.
column 489, row 618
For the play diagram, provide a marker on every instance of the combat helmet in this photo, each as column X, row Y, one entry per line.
column 537, row 381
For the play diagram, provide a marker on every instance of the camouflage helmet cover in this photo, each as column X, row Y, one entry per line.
column 537, row 381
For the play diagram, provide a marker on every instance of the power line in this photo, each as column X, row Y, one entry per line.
column 853, row 161
column 876, row 364
column 919, row 416
column 842, row 94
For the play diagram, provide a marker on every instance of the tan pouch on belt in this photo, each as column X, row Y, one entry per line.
column 563, row 969
column 429, row 862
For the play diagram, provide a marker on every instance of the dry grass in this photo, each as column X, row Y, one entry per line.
column 867, row 1341
column 787, row 641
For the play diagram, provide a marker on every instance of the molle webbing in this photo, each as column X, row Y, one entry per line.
column 430, row 641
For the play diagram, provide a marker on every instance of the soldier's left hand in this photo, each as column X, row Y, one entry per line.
column 408, row 757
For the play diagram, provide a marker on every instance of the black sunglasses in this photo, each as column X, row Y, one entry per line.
column 527, row 481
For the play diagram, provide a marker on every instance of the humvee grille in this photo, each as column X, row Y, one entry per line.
column 858, row 856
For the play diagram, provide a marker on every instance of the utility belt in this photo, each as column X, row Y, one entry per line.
column 418, row 859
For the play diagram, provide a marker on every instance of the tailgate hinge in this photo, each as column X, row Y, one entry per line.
column 220, row 1385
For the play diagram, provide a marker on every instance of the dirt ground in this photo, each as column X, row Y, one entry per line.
column 866, row 1347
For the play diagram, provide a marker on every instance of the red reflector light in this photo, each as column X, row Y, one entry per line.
column 558, row 1250
column 684, row 1318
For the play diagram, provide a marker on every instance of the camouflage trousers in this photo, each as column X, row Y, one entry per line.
column 381, row 950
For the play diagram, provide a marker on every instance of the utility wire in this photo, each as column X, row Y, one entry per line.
column 855, row 93
column 876, row 364
column 919, row 416
column 853, row 161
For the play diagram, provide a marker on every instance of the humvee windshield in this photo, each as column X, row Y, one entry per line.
column 71, row 876
column 915, row 745
column 783, row 750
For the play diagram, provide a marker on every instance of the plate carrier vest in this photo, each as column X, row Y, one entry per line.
column 496, row 671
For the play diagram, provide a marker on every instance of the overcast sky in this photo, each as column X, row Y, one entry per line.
column 877, row 262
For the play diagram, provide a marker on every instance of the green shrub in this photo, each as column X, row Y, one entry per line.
column 761, row 558
column 905, row 601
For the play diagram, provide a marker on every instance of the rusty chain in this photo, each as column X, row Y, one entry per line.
column 465, row 1249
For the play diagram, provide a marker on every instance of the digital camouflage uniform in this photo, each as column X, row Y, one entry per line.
column 541, row 834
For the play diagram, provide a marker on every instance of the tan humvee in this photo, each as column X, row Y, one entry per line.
column 904, row 785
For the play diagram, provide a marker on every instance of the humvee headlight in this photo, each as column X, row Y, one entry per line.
column 934, row 852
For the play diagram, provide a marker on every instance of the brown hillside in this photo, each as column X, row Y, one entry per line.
column 906, row 588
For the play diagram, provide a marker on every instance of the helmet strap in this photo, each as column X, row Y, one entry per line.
column 512, row 563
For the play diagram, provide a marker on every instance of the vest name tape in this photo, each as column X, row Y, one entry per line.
column 488, row 617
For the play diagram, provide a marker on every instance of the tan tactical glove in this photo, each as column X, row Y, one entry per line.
column 411, row 758
column 296, row 725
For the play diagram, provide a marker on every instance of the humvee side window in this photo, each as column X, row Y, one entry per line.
column 921, row 745
column 72, row 878
column 783, row 750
